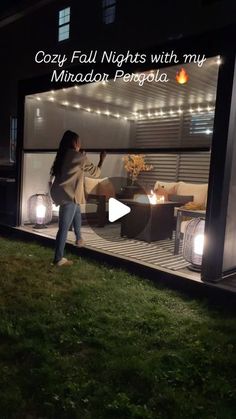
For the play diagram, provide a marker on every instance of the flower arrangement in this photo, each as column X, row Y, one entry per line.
column 134, row 164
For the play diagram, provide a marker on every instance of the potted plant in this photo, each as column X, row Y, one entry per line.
column 134, row 164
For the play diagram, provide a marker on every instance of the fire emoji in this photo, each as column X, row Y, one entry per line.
column 182, row 76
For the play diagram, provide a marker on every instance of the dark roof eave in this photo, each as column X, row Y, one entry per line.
column 15, row 13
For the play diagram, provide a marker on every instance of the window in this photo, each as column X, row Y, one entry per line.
column 13, row 137
column 109, row 11
column 64, row 24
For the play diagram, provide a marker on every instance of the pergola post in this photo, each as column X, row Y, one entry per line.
column 220, row 169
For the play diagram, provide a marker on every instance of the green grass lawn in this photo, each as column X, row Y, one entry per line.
column 92, row 342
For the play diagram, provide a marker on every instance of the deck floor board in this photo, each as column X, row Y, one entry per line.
column 159, row 254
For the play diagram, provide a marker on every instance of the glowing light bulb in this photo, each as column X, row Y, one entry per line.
column 40, row 211
column 198, row 244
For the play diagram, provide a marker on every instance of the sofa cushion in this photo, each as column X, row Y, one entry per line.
column 197, row 190
column 169, row 187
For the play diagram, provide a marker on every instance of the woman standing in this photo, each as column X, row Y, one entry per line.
column 67, row 190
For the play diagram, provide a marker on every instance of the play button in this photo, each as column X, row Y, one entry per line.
column 109, row 205
column 116, row 210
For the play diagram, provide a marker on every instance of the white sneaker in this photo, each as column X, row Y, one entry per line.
column 64, row 262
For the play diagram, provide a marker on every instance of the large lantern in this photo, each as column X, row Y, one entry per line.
column 40, row 210
column 194, row 242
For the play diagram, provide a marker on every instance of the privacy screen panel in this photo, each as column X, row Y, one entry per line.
column 186, row 167
column 185, row 130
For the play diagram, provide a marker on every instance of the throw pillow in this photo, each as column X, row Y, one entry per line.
column 170, row 187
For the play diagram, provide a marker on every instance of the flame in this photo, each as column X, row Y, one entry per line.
column 151, row 198
column 182, row 76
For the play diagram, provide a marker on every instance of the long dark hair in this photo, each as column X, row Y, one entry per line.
column 67, row 142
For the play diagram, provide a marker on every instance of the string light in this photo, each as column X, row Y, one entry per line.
column 136, row 115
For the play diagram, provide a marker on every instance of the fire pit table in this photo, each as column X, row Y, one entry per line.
column 148, row 222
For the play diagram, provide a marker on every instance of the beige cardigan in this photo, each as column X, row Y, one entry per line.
column 69, row 185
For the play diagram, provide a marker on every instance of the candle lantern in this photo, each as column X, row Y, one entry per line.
column 40, row 210
column 194, row 243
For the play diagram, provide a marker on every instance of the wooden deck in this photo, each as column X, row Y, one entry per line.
column 156, row 255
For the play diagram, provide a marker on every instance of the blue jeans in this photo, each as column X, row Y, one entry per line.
column 69, row 214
